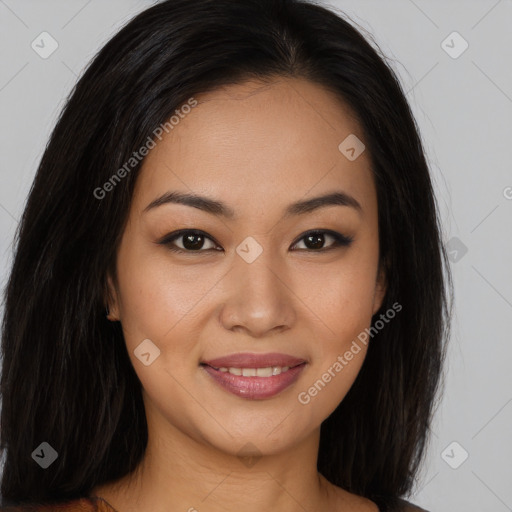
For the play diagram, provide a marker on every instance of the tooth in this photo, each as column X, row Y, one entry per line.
column 255, row 372
column 264, row 372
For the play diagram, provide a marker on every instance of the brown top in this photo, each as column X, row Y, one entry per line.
column 100, row 505
column 405, row 506
column 79, row 505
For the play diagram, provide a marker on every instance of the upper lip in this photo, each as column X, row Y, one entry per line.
column 247, row 360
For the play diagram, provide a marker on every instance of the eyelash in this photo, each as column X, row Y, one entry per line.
column 339, row 240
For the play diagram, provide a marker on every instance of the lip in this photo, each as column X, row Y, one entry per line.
column 251, row 360
column 255, row 388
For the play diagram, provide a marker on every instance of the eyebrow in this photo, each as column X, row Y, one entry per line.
column 215, row 207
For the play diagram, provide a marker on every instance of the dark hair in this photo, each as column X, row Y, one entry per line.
column 67, row 378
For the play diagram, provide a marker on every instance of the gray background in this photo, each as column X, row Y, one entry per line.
column 463, row 106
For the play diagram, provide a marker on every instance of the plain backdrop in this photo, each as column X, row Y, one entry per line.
column 462, row 100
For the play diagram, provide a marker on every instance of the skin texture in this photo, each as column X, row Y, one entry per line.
column 256, row 148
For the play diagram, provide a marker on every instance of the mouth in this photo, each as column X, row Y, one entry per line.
column 255, row 376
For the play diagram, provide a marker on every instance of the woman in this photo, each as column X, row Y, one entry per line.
column 228, row 290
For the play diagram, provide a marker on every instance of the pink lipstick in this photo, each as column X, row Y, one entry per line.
column 255, row 376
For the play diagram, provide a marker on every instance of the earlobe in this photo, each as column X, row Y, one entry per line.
column 380, row 290
column 111, row 307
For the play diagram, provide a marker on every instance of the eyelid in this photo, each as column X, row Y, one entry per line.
column 340, row 240
column 169, row 238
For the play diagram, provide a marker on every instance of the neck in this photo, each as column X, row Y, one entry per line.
column 180, row 473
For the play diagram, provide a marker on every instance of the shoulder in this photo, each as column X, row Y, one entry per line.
column 78, row 505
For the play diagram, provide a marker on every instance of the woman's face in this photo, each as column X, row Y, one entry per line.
column 253, row 281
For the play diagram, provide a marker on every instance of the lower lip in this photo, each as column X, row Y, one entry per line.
column 255, row 388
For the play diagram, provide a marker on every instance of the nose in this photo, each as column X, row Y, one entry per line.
column 258, row 298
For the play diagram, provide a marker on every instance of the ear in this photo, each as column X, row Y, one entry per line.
column 111, row 300
column 380, row 288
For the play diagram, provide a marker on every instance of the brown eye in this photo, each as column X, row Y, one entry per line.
column 191, row 241
column 194, row 241
column 314, row 240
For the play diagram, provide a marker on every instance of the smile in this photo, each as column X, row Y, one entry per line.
column 255, row 383
column 256, row 372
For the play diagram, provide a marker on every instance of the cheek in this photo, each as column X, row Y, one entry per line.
column 344, row 311
column 330, row 380
column 156, row 298
column 342, row 300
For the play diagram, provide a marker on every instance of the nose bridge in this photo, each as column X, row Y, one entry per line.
column 257, row 298
column 261, row 275
column 257, row 267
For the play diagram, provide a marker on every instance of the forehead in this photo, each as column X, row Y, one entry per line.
column 256, row 145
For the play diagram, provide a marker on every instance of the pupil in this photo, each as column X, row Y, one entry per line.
column 191, row 245
column 319, row 240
